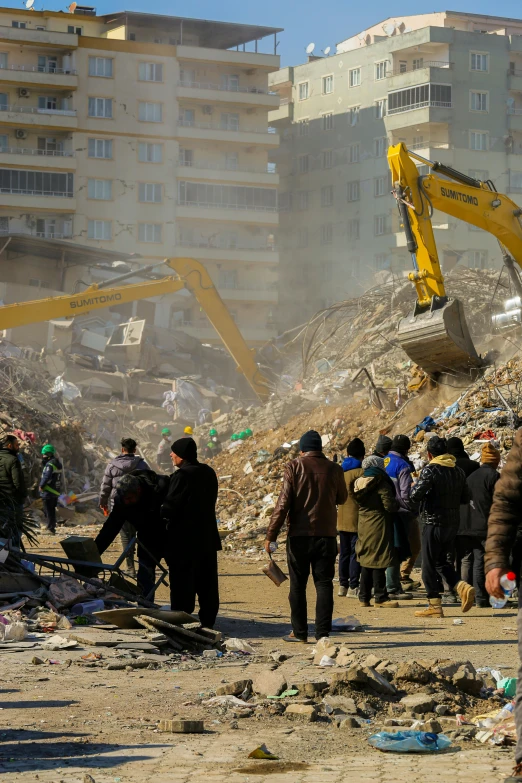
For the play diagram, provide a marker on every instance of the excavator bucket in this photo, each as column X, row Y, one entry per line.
column 438, row 339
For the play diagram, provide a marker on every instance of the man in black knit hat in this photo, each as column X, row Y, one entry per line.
column 312, row 488
column 189, row 512
column 383, row 446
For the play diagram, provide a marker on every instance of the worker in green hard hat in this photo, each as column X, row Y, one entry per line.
column 249, row 432
column 213, row 445
column 163, row 452
column 50, row 485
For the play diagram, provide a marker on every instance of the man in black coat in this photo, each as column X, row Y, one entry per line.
column 473, row 530
column 13, row 490
column 138, row 500
column 189, row 512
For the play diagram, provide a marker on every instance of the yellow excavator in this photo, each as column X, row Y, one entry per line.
column 190, row 274
column 436, row 336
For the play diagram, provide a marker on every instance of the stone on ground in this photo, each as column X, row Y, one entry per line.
column 307, row 713
column 269, row 683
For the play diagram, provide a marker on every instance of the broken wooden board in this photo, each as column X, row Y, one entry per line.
column 125, row 618
column 91, row 637
column 182, row 634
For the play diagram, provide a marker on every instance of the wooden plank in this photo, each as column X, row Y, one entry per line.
column 145, row 622
column 183, row 633
column 125, row 618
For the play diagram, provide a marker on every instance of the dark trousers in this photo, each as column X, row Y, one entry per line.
column 127, row 533
column 470, row 552
column 349, row 568
column 49, row 504
column 376, row 578
column 147, row 567
column 192, row 576
column 318, row 554
column 437, row 542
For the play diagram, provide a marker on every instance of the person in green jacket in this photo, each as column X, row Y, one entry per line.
column 50, row 485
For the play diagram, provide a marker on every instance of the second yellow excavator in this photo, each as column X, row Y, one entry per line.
column 190, row 274
column 436, row 336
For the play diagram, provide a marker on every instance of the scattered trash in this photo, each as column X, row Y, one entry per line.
column 509, row 684
column 13, row 632
column 326, row 661
column 349, row 623
column 58, row 642
column 458, row 621
column 239, row 645
column 409, row 741
column 262, row 752
column 285, row 694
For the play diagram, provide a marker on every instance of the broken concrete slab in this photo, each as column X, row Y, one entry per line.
column 182, row 726
column 467, row 681
column 418, row 702
column 233, row 688
column 310, row 689
column 307, row 713
column 269, row 683
column 341, row 704
column 349, row 723
column 378, row 683
column 411, row 671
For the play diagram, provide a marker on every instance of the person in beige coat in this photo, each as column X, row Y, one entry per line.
column 347, row 522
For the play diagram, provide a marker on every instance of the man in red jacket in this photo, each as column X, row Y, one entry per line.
column 312, row 488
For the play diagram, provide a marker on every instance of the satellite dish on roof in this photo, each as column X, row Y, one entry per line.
column 388, row 28
column 327, row 51
column 29, row 4
column 361, row 36
column 310, row 48
column 72, row 8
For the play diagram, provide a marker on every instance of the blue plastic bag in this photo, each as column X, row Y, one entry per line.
column 409, row 741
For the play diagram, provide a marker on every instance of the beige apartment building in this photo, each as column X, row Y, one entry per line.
column 447, row 84
column 146, row 134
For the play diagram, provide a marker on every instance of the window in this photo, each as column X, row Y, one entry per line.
column 150, row 153
column 100, row 66
column 380, row 147
column 4, row 142
column 228, row 278
column 381, row 186
column 132, row 36
column 99, row 229
column 481, row 174
column 47, row 146
column 186, row 117
column 47, row 103
column 353, row 191
column 352, row 229
column 229, row 121
column 150, row 72
column 327, row 159
column 354, row 77
column 232, row 161
column 353, row 115
column 150, row 191
column 354, row 155
column 403, row 66
column 418, row 63
column 186, row 157
column 187, row 76
column 73, row 30
column 302, row 200
column 479, row 61
column 478, row 101
column 417, row 97
column 20, row 25
column 381, row 262
column 149, row 232
column 3, row 101
column 4, row 225
column 304, row 164
column 328, row 121
column 328, row 82
column 381, row 70
column 100, row 107
column 418, row 142
column 99, row 189
column 230, row 82
column 327, row 196
column 478, row 140
column 285, row 202
column 515, row 181
column 46, row 64
column 380, row 109
column 37, row 183
column 303, row 128
column 380, row 225
column 302, row 237
column 326, row 233
column 230, row 196
column 477, row 259
column 150, row 112
column 303, row 91
column 100, row 148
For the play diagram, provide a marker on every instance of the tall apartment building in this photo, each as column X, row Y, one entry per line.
column 447, row 84
column 143, row 134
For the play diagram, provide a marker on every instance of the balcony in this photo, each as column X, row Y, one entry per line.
column 228, row 213
column 38, row 234
column 208, row 251
column 265, row 62
column 208, row 131
column 284, row 112
column 515, row 80
column 63, row 119
column 418, row 113
column 216, row 172
column 44, row 38
column 206, row 92
column 254, row 335
column 34, row 76
column 50, row 201
column 49, row 159
column 430, row 71
column 515, row 119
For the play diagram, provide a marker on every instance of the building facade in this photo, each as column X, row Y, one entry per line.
column 448, row 85
column 143, row 134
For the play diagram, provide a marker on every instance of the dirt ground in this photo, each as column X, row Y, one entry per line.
column 62, row 721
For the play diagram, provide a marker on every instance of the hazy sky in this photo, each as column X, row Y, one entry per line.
column 324, row 23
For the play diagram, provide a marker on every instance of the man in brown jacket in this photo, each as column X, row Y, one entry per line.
column 504, row 521
column 347, row 520
column 312, row 487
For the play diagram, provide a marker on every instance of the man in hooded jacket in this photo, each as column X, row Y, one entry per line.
column 347, row 519
column 189, row 514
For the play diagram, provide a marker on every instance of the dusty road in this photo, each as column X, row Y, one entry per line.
column 61, row 721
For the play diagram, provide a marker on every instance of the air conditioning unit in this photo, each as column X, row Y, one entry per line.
column 20, row 133
column 23, row 92
column 208, row 109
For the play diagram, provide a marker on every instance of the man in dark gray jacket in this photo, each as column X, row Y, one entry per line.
column 124, row 463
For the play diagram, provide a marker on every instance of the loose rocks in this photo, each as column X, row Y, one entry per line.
column 269, row 683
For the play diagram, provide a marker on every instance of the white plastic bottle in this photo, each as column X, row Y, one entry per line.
column 508, row 584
